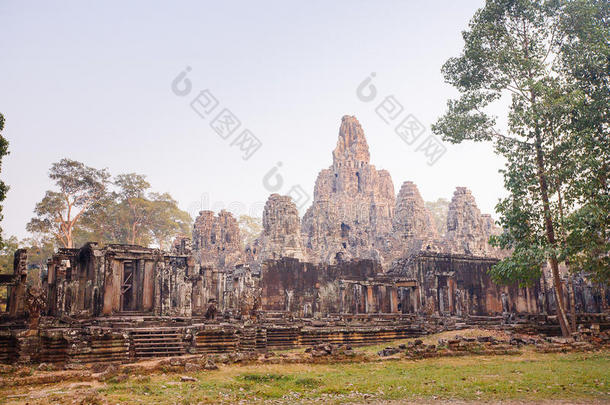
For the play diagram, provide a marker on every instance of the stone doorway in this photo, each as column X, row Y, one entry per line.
column 407, row 300
column 128, row 302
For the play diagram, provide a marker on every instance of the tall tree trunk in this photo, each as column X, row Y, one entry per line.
column 572, row 300
column 545, row 296
column 571, row 292
column 550, row 234
column 132, row 239
column 69, row 242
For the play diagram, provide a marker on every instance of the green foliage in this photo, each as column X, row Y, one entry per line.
column 588, row 244
column 131, row 214
column 552, row 58
column 3, row 186
column 577, row 377
column 439, row 210
column 167, row 220
column 137, row 208
column 78, row 188
column 85, row 208
column 40, row 249
column 250, row 228
column 585, row 61
column 131, row 185
column 103, row 223
column 261, row 378
column 7, row 254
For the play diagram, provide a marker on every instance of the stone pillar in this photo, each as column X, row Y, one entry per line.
column 370, row 304
column 451, row 289
column 341, row 297
column 393, row 300
column 16, row 294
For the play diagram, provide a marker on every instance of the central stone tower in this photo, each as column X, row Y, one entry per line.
column 351, row 215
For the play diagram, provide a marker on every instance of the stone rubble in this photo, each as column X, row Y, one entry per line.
column 489, row 345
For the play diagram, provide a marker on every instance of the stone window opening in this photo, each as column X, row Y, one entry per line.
column 339, row 257
column 359, row 185
column 335, row 183
column 127, row 290
column 344, row 230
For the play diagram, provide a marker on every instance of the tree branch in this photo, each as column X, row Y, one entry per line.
column 497, row 135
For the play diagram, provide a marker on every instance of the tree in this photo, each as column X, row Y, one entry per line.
column 3, row 152
column 250, row 228
column 7, row 254
column 79, row 187
column 511, row 47
column 132, row 192
column 86, row 209
column 167, row 220
column 130, row 215
column 40, row 249
column 439, row 210
column 103, row 222
column 585, row 61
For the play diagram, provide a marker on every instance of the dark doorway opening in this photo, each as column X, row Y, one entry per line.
column 127, row 290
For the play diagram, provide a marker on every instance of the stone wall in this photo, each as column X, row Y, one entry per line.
column 460, row 285
column 316, row 290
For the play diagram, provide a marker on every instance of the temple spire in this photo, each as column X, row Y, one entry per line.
column 351, row 146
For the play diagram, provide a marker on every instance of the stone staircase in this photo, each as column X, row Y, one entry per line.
column 53, row 350
column 281, row 338
column 220, row 341
column 8, row 349
column 157, row 342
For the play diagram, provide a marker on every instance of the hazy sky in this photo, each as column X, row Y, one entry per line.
column 92, row 82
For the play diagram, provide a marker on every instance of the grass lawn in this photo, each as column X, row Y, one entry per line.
column 530, row 376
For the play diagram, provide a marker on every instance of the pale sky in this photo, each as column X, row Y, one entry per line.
column 92, row 82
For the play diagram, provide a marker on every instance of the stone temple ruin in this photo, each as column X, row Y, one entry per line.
column 363, row 265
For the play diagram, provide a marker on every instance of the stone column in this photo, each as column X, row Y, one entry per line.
column 393, row 299
column 341, row 297
column 451, row 288
column 370, row 303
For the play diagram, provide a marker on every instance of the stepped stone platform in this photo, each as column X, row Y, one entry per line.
column 72, row 343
